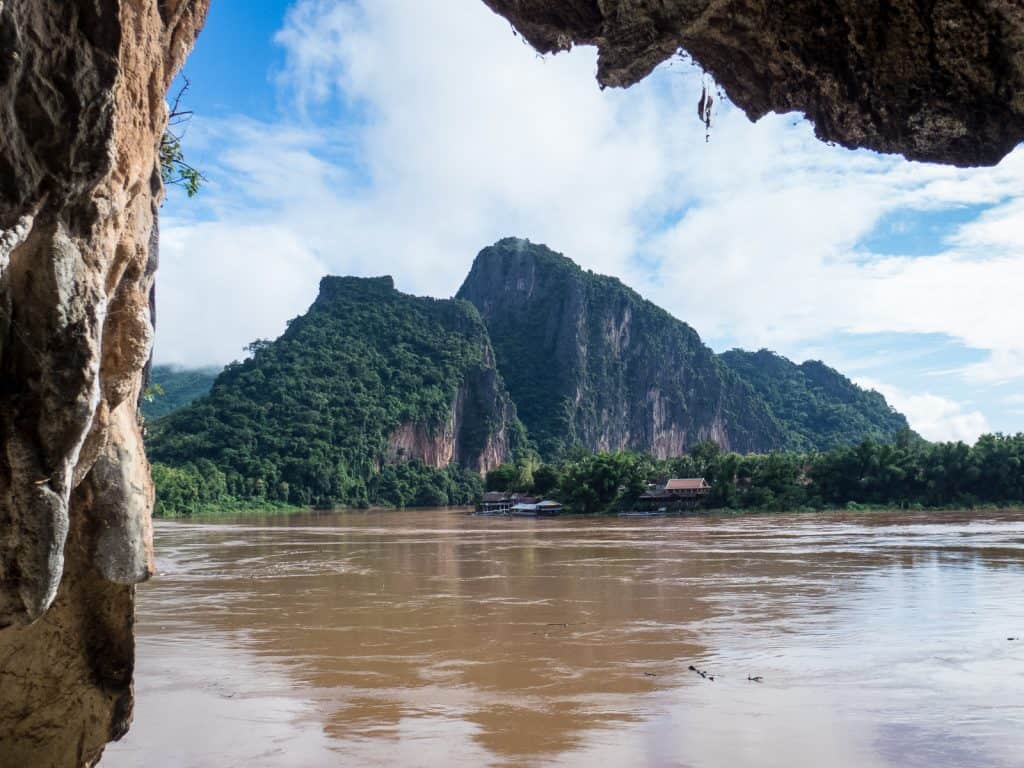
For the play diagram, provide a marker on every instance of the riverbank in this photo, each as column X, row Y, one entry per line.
column 242, row 508
column 231, row 507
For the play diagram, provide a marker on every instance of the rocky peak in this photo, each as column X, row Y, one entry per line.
column 367, row 379
column 587, row 360
column 332, row 286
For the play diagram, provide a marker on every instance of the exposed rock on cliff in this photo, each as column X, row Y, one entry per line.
column 588, row 360
column 367, row 381
column 935, row 81
column 478, row 433
column 82, row 84
column 82, row 88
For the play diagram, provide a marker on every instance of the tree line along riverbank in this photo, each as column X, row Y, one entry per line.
column 909, row 473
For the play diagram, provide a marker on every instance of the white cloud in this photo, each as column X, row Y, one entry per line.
column 999, row 229
column 469, row 136
column 932, row 416
column 221, row 286
column 424, row 131
column 777, row 261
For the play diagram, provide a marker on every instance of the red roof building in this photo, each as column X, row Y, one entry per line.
column 698, row 484
column 679, row 489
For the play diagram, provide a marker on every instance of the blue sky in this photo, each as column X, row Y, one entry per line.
column 388, row 136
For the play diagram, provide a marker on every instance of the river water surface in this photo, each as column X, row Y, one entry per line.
column 435, row 638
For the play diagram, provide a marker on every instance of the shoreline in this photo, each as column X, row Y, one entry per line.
column 283, row 510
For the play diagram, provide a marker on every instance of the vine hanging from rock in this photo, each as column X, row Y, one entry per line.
column 704, row 107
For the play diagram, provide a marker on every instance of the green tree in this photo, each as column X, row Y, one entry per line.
column 602, row 482
column 175, row 170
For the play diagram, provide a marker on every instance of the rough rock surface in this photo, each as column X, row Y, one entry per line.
column 82, row 88
column 941, row 81
column 476, row 433
column 588, row 360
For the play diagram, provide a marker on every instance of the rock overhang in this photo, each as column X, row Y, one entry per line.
column 939, row 82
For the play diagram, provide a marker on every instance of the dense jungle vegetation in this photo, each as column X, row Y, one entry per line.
column 818, row 407
column 308, row 419
column 355, row 404
column 909, row 474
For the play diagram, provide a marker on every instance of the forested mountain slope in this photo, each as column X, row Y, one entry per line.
column 172, row 387
column 374, row 396
column 818, row 407
column 371, row 396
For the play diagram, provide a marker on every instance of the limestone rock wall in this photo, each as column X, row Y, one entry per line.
column 941, row 81
column 487, row 428
column 82, row 89
column 434, row 447
column 477, row 434
column 587, row 360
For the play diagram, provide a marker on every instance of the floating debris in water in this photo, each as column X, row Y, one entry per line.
column 755, row 678
column 705, row 675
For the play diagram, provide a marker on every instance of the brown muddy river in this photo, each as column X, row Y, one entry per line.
column 437, row 639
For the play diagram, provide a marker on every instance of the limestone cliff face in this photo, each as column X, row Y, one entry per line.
column 476, row 434
column 82, row 109
column 588, row 360
column 935, row 81
column 435, row 447
column 489, row 429
column 479, row 428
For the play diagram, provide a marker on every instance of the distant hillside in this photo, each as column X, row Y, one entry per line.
column 372, row 396
column 588, row 361
column 818, row 407
column 173, row 387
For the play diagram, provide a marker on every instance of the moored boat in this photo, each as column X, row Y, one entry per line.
column 548, row 508
column 524, row 510
column 544, row 508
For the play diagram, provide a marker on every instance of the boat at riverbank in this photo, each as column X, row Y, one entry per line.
column 544, row 508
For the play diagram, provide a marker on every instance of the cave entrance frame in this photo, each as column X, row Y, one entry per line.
column 82, row 110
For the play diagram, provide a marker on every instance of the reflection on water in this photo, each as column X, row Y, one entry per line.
column 435, row 638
